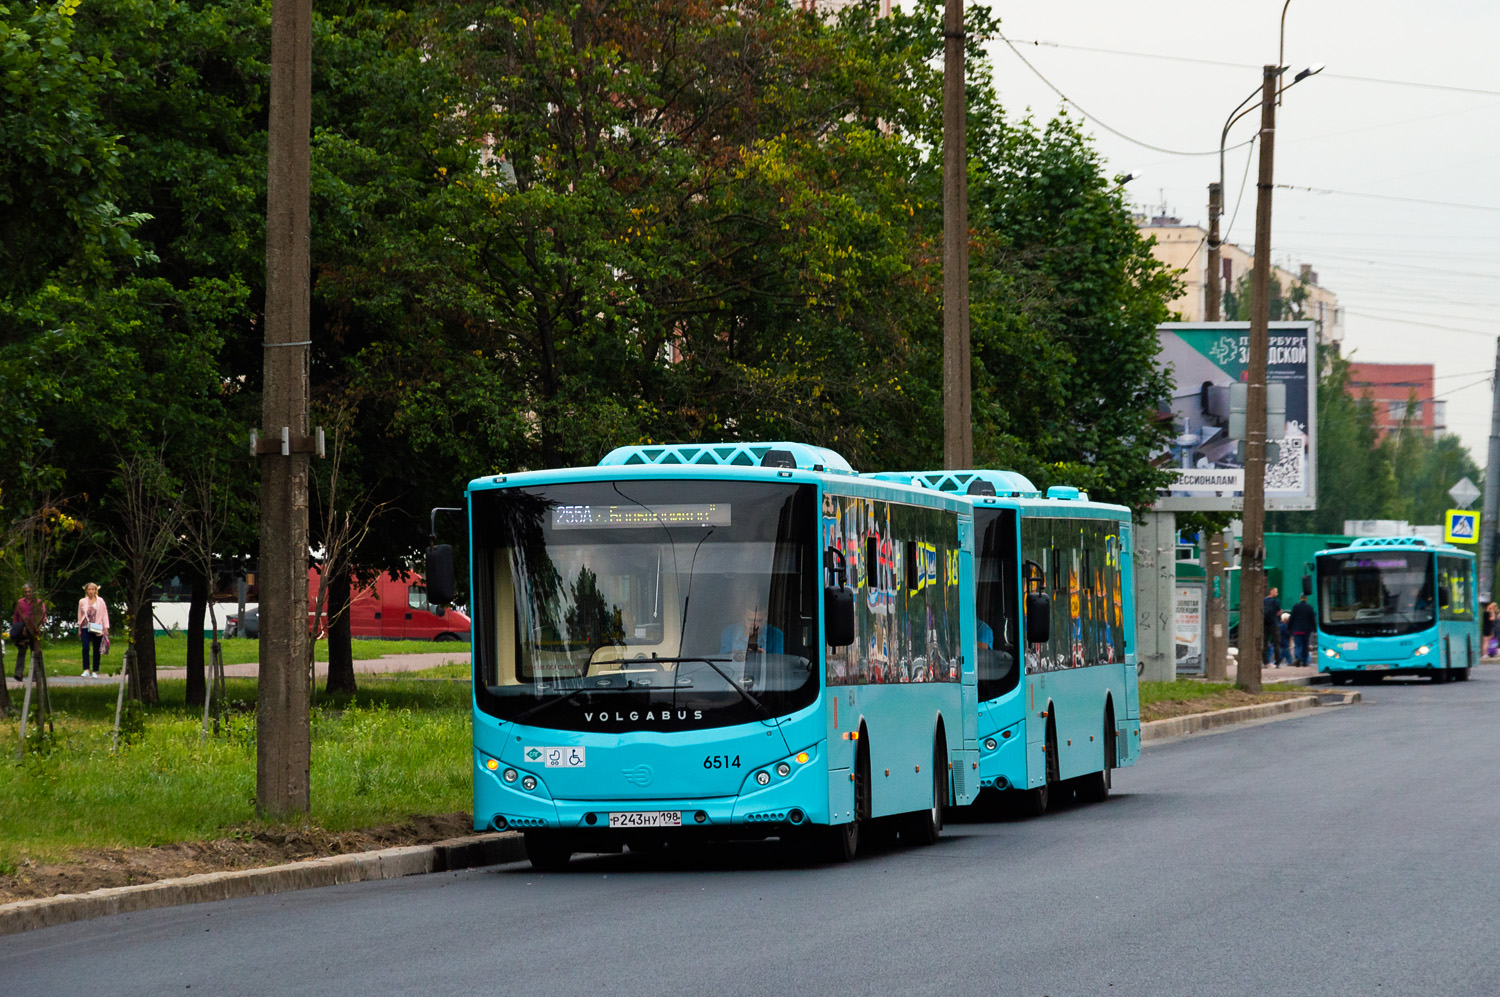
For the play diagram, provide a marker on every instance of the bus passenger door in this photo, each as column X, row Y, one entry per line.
column 965, row 759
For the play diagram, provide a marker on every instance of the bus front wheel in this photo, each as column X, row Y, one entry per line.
column 1095, row 787
column 841, row 841
column 1038, row 801
column 924, row 826
column 547, row 852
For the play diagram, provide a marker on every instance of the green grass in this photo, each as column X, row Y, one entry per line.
column 1158, row 692
column 395, row 749
column 450, row 671
column 171, row 652
column 1188, row 689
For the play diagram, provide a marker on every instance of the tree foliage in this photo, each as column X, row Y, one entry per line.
column 542, row 230
column 1404, row 475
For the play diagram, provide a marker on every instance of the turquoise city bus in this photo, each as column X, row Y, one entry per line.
column 1397, row 606
column 1054, row 572
column 728, row 641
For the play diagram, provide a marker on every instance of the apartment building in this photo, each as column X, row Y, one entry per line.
column 1185, row 248
column 1401, row 391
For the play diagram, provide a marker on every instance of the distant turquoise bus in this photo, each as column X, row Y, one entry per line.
column 726, row 641
column 1397, row 606
column 1053, row 577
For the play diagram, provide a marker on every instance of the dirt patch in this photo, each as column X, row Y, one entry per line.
column 1167, row 708
column 91, row 869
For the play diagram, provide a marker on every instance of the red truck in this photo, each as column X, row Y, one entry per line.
column 395, row 609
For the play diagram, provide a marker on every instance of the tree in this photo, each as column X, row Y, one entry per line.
column 1285, row 305
column 1405, row 476
column 151, row 509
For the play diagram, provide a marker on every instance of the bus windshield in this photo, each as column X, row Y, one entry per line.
column 645, row 605
column 1375, row 593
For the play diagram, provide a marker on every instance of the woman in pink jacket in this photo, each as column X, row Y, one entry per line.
column 93, row 626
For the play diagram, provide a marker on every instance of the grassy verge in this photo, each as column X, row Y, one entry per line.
column 1160, row 700
column 395, row 749
column 171, row 652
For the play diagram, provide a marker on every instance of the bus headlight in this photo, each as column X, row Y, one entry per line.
column 528, row 783
column 1330, row 652
column 1421, row 650
column 763, row 777
column 510, row 775
column 990, row 744
column 783, row 770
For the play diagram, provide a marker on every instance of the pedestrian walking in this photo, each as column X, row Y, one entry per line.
column 1271, row 633
column 93, row 627
column 1302, row 621
column 26, row 623
column 1491, row 627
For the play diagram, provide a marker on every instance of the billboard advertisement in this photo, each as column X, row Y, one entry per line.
column 1207, row 359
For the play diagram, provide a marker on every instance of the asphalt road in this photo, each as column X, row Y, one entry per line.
column 1343, row 851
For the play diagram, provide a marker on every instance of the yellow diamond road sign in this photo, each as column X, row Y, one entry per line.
column 1460, row 526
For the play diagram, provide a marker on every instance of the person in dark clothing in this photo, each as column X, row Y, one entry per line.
column 26, row 624
column 1271, row 631
column 1303, row 623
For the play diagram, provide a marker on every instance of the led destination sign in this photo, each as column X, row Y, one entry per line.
column 626, row 517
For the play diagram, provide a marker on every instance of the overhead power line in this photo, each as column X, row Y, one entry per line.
column 1113, row 131
column 1244, row 65
column 1391, row 197
column 1425, row 325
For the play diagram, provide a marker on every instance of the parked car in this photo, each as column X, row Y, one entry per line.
column 396, row 609
column 251, row 626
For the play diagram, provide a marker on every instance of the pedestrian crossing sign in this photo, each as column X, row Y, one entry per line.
column 1461, row 526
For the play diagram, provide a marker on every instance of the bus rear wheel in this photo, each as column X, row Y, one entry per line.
column 547, row 852
column 1438, row 676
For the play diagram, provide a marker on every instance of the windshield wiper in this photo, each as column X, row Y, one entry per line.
column 544, row 704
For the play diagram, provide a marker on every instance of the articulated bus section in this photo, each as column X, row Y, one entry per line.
column 752, row 640
column 1054, row 595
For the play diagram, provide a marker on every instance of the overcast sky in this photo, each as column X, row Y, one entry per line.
column 1418, row 282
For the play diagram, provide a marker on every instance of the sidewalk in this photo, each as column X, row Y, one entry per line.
column 371, row 666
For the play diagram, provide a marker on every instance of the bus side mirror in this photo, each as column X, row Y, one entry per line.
column 1307, row 584
column 838, row 616
column 440, row 574
column 1038, row 618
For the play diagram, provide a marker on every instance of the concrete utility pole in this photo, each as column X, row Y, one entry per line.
column 1216, row 637
column 1253, row 556
column 958, row 423
column 1491, row 493
column 283, row 736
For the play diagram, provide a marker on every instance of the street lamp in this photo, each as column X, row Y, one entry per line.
column 1216, row 553
column 1216, row 193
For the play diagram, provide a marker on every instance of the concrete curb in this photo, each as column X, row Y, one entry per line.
column 388, row 863
column 1160, row 730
